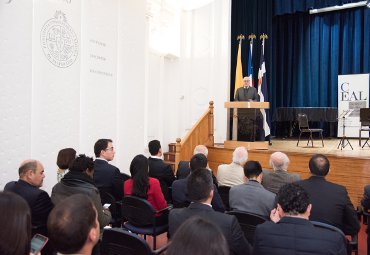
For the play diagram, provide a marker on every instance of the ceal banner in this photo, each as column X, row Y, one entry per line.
column 353, row 94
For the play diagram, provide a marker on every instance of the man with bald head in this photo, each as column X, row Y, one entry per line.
column 330, row 201
column 31, row 176
column 275, row 179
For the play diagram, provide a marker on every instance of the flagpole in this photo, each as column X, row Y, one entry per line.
column 251, row 37
column 239, row 67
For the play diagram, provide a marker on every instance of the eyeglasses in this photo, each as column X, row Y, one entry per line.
column 109, row 149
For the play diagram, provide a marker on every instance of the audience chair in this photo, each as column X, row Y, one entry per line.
column 248, row 222
column 115, row 207
column 117, row 241
column 304, row 128
column 125, row 177
column 365, row 125
column 141, row 217
column 352, row 245
column 224, row 194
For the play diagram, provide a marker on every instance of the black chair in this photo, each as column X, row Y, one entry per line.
column 115, row 207
column 248, row 223
column 304, row 128
column 224, row 194
column 117, row 241
column 141, row 217
column 365, row 124
column 125, row 177
column 352, row 244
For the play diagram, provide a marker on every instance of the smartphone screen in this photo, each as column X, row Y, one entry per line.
column 106, row 206
column 37, row 243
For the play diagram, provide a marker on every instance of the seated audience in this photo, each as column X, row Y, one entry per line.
column 183, row 169
column 275, row 179
column 330, row 201
column 79, row 181
column 31, row 177
column 64, row 159
column 200, row 190
column 179, row 188
column 290, row 231
column 73, row 225
column 143, row 186
column 15, row 222
column 198, row 236
column 233, row 174
column 251, row 196
column 106, row 176
column 160, row 170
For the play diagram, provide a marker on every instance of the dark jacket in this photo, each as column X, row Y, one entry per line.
column 183, row 170
column 331, row 204
column 227, row 223
column 108, row 178
column 37, row 199
column 80, row 183
column 296, row 236
column 180, row 195
column 163, row 172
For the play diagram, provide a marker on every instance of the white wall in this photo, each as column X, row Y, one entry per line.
column 116, row 87
column 201, row 74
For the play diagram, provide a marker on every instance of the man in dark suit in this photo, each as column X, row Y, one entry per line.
column 160, row 170
column 290, row 231
column 273, row 180
column 330, row 201
column 249, row 117
column 106, row 176
column 183, row 169
column 200, row 190
column 179, row 188
column 247, row 92
column 31, row 177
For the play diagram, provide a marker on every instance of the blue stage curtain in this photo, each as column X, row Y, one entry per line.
column 310, row 51
column 291, row 6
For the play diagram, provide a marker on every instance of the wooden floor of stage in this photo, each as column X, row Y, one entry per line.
column 350, row 168
column 330, row 147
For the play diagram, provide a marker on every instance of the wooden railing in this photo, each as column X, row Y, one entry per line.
column 200, row 133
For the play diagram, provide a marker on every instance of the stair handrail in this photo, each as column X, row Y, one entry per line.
column 196, row 136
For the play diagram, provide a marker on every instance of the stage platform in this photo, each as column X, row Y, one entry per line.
column 350, row 168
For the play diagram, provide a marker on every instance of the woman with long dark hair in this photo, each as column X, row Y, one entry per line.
column 15, row 222
column 143, row 186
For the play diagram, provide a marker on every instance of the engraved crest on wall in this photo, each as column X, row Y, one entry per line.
column 58, row 41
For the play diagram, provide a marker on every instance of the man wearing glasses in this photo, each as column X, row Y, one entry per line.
column 106, row 176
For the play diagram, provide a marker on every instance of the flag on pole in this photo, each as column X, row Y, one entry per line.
column 239, row 67
column 250, row 66
column 262, row 87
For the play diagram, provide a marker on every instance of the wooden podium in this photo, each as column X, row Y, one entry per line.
column 260, row 145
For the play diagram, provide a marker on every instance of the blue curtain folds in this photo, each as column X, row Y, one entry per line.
column 310, row 51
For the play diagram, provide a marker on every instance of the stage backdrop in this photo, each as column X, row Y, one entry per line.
column 353, row 94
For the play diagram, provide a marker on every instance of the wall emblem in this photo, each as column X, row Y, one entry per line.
column 59, row 41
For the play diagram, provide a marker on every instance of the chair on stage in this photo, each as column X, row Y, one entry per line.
column 365, row 124
column 248, row 223
column 141, row 218
column 304, row 128
column 117, row 241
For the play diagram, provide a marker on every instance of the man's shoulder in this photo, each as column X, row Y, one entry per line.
column 102, row 165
